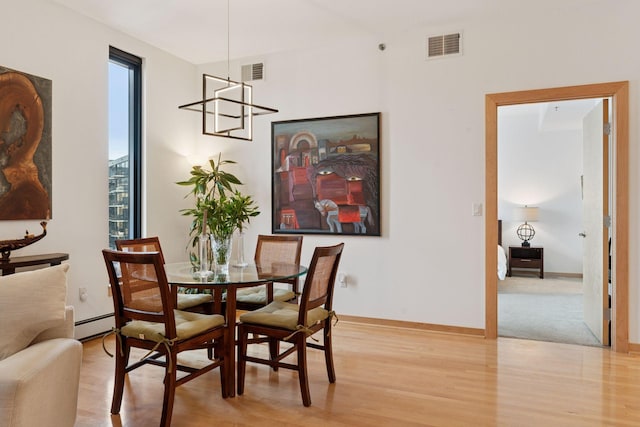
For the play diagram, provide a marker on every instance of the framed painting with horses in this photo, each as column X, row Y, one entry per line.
column 326, row 175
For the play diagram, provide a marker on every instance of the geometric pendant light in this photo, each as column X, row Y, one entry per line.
column 227, row 106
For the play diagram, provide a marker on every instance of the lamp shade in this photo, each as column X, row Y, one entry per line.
column 527, row 214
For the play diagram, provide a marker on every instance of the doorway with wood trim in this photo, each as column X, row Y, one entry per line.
column 551, row 159
column 618, row 92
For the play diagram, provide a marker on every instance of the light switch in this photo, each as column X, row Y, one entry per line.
column 476, row 209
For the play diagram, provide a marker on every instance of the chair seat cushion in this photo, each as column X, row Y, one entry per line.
column 192, row 300
column 188, row 324
column 282, row 315
column 258, row 295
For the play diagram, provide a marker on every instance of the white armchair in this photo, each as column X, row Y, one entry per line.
column 39, row 382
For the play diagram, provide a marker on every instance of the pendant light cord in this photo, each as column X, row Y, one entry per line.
column 228, row 41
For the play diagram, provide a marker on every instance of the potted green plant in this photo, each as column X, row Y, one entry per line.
column 219, row 211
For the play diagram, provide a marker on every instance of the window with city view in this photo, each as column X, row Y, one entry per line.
column 124, row 145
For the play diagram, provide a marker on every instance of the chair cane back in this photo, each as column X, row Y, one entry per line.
column 198, row 302
column 272, row 250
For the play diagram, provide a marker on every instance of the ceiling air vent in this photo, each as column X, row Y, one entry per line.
column 444, row 45
column 253, row 72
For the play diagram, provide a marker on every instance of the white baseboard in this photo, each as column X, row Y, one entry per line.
column 93, row 328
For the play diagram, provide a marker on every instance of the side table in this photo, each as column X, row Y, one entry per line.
column 9, row 266
column 526, row 257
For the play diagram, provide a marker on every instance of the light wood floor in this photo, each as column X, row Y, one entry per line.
column 388, row 376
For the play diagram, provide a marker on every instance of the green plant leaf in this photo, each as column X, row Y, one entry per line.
column 215, row 192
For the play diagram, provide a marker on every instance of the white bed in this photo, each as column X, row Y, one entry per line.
column 502, row 256
column 502, row 263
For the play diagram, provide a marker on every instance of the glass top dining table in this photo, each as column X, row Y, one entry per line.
column 184, row 274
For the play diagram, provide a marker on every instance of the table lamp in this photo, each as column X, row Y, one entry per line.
column 526, row 231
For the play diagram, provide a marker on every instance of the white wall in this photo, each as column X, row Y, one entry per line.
column 429, row 264
column 541, row 168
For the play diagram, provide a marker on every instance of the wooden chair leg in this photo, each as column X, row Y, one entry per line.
column 274, row 349
column 215, row 350
column 169, row 390
column 127, row 352
column 242, row 361
column 122, row 357
column 328, row 352
column 301, row 344
column 217, row 307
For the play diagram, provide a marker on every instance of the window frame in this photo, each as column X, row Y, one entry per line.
column 134, row 64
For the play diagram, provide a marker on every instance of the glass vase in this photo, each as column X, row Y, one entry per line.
column 221, row 248
column 204, row 244
column 240, row 262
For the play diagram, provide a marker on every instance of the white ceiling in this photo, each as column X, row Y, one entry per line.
column 196, row 30
column 553, row 116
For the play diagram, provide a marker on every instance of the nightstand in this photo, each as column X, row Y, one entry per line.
column 522, row 257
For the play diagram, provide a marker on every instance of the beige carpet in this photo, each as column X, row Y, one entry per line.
column 547, row 309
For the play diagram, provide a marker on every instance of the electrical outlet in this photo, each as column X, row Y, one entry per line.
column 342, row 280
column 82, row 294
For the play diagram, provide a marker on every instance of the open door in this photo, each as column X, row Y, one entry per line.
column 595, row 206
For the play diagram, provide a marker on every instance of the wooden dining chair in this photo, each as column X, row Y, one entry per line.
column 272, row 249
column 198, row 302
column 146, row 318
column 293, row 323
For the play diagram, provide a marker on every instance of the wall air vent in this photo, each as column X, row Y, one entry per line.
column 252, row 72
column 444, row 45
